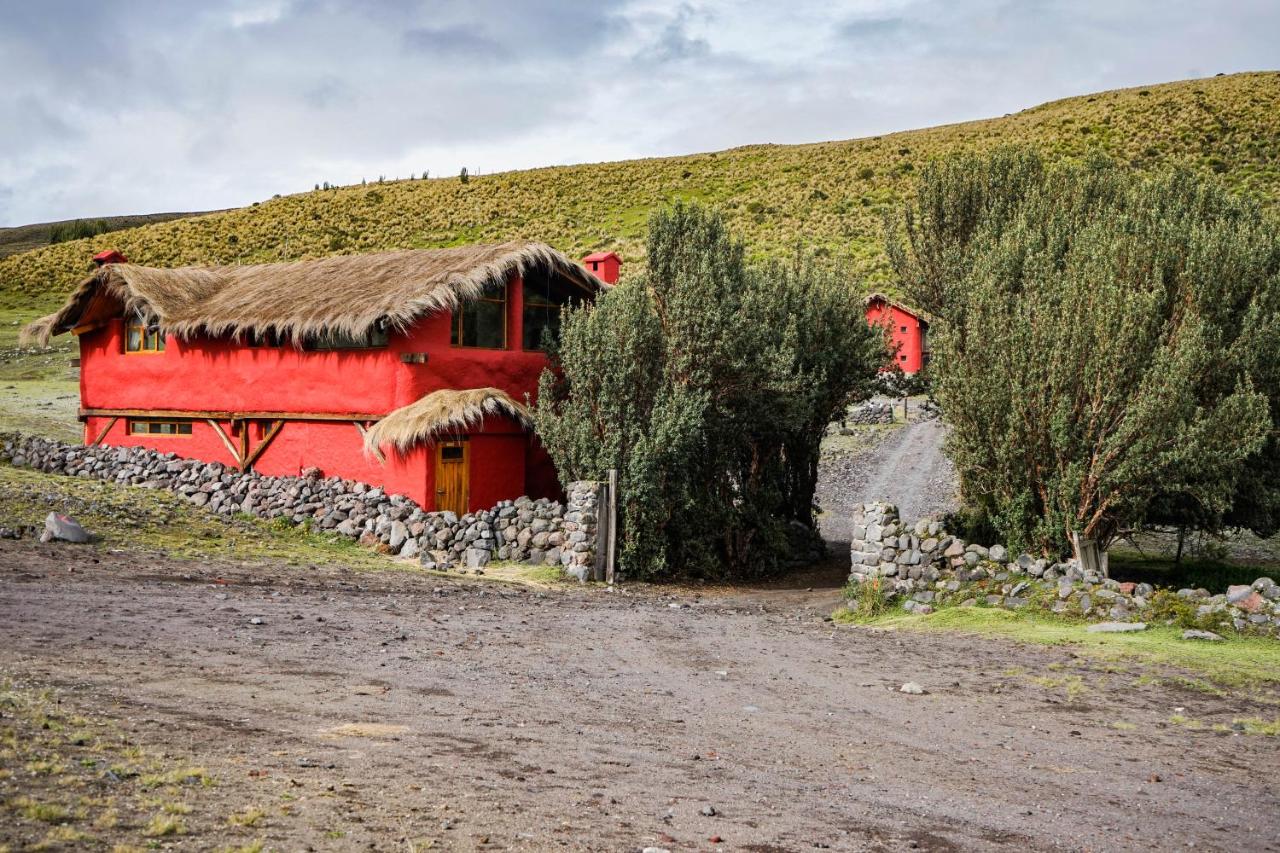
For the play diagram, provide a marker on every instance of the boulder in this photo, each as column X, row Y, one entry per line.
column 65, row 529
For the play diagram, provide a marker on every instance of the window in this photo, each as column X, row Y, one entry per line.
column 160, row 427
column 336, row 340
column 543, row 299
column 482, row 322
column 140, row 337
column 268, row 338
column 902, row 358
column 451, row 452
column 902, row 329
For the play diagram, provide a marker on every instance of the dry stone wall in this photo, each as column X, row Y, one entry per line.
column 923, row 565
column 524, row 530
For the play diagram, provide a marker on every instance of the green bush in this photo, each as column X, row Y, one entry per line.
column 1107, row 347
column 707, row 384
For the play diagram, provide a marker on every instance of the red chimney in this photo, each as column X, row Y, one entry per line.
column 605, row 265
column 110, row 256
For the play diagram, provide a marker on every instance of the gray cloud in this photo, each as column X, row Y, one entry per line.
column 121, row 106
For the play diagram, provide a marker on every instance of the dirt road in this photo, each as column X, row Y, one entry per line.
column 904, row 466
column 393, row 705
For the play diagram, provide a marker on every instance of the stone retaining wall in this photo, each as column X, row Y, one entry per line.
column 537, row 532
column 923, row 564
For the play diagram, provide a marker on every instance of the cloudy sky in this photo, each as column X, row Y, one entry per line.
column 125, row 106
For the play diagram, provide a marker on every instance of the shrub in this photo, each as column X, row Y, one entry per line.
column 707, row 384
column 1106, row 346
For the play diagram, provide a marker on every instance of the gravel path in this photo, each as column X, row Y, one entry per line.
column 904, row 465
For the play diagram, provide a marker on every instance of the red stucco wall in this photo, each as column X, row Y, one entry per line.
column 906, row 332
column 222, row 375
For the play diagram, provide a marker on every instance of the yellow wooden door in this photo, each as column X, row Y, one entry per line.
column 453, row 477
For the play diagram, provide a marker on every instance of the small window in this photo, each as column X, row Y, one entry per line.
column 160, row 427
column 902, row 329
column 268, row 338
column 482, row 322
column 451, row 453
column 374, row 339
column 139, row 337
column 544, row 297
column 902, row 358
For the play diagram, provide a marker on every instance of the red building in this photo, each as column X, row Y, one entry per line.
column 908, row 331
column 410, row 370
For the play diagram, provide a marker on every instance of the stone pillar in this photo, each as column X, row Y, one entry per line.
column 581, row 523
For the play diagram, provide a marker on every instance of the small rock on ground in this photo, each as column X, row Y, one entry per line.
column 1116, row 627
column 1193, row 634
column 912, row 688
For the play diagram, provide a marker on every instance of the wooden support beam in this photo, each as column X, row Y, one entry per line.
column 85, row 328
column 202, row 414
column 377, row 451
column 262, row 445
column 97, row 441
column 217, row 427
column 244, row 442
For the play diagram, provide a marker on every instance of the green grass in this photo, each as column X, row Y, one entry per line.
column 151, row 520
column 831, row 196
column 1237, row 662
column 1214, row 575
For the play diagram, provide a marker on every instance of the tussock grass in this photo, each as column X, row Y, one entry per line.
column 830, row 196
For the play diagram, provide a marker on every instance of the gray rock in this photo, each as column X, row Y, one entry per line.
column 998, row 554
column 1116, row 627
column 912, row 688
column 1194, row 634
column 65, row 529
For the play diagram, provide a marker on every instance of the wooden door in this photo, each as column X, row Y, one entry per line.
column 453, row 476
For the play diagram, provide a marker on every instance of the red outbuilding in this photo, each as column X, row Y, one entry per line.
column 410, row 370
column 908, row 330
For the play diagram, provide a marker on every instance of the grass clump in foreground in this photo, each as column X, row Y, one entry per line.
column 1237, row 662
column 158, row 521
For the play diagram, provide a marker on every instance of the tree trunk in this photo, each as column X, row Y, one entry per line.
column 1092, row 558
column 1182, row 536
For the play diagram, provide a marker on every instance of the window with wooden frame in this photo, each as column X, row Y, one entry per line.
column 140, row 336
column 267, row 339
column 334, row 340
column 153, row 427
column 544, row 297
column 482, row 322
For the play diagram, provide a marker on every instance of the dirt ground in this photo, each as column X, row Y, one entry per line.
column 392, row 710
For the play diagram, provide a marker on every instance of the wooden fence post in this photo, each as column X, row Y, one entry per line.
column 612, row 515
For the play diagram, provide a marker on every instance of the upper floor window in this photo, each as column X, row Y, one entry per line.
column 335, row 340
column 482, row 322
column 140, row 337
column 544, row 296
column 269, row 338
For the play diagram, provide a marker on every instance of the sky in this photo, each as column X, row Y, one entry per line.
column 124, row 106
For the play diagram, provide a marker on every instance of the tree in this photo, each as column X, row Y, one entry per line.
column 1105, row 348
column 707, row 383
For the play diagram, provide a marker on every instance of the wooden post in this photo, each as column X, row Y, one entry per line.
column 611, row 555
column 103, row 434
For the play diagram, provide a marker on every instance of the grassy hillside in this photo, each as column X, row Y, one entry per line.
column 24, row 238
column 828, row 196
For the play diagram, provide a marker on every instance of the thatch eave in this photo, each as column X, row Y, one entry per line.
column 348, row 294
column 443, row 412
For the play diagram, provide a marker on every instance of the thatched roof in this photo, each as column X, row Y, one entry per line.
column 914, row 312
column 441, row 412
column 345, row 293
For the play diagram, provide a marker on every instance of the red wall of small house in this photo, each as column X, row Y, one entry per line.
column 909, row 342
column 223, row 375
